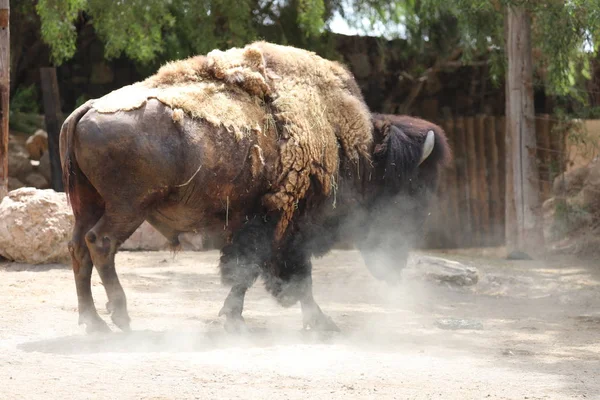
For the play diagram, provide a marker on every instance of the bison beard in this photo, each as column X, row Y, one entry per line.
column 153, row 162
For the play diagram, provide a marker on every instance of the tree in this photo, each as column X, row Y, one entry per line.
column 561, row 34
column 151, row 32
column 4, row 93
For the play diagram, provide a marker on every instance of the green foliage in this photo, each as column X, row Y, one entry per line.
column 57, row 18
column 25, row 99
column 560, row 31
column 133, row 27
column 24, row 110
column 151, row 31
column 310, row 16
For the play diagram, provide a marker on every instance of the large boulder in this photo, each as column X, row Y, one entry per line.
column 44, row 167
column 191, row 241
column 37, row 181
column 590, row 193
column 146, row 238
column 14, row 183
column 19, row 164
column 571, row 182
column 35, row 226
column 441, row 271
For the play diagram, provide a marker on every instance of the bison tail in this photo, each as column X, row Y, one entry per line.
column 67, row 156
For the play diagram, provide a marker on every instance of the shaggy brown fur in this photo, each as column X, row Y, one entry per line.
column 315, row 102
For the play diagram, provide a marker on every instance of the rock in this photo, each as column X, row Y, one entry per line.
column 191, row 241
column 146, row 238
column 14, row 183
column 456, row 324
column 44, row 167
column 16, row 143
column 571, row 182
column 441, row 270
column 37, row 144
column 590, row 193
column 19, row 165
column 37, row 181
column 518, row 255
column 549, row 217
column 35, row 226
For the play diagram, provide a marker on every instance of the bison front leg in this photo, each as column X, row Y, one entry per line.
column 240, row 266
column 103, row 241
column 313, row 318
column 293, row 283
column 238, row 270
column 233, row 308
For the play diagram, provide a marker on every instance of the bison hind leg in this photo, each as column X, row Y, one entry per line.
column 82, row 270
column 103, row 241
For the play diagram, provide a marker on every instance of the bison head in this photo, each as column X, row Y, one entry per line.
column 408, row 156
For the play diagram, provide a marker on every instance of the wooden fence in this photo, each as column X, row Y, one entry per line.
column 470, row 208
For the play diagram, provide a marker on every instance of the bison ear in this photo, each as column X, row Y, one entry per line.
column 382, row 136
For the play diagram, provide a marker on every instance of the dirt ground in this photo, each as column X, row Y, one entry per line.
column 540, row 336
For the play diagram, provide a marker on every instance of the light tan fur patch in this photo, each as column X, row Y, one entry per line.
column 314, row 101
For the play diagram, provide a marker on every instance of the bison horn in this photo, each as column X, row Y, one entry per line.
column 428, row 146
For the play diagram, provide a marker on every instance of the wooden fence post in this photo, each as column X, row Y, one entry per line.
column 54, row 120
column 521, row 125
column 4, row 93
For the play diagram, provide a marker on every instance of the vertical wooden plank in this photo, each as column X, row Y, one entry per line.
column 558, row 146
column 438, row 214
column 460, row 157
column 4, row 93
column 482, row 179
column 503, row 160
column 453, row 225
column 544, row 154
column 472, row 177
column 54, row 120
column 493, row 167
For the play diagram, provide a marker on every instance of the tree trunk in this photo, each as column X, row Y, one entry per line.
column 54, row 120
column 520, row 129
column 4, row 93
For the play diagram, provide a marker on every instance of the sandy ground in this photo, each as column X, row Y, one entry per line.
column 540, row 336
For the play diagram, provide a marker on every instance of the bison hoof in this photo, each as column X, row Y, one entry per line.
column 94, row 324
column 320, row 322
column 235, row 325
column 121, row 320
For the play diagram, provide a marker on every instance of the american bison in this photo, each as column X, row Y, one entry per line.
column 154, row 163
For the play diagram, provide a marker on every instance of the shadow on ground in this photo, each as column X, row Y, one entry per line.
column 151, row 341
